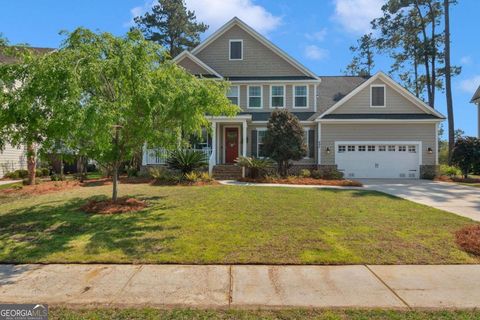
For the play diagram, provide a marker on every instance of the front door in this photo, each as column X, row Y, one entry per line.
column 231, row 144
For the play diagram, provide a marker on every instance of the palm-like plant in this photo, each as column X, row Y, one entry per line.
column 255, row 165
column 186, row 160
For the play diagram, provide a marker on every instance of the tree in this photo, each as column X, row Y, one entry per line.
column 466, row 154
column 284, row 139
column 362, row 62
column 171, row 25
column 448, row 82
column 129, row 96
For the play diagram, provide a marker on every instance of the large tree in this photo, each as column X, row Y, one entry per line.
column 129, row 95
column 171, row 25
column 362, row 63
column 284, row 139
column 448, row 83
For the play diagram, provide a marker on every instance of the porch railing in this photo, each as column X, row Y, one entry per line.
column 160, row 156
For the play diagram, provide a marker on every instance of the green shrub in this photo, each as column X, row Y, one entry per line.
column 256, row 166
column 45, row 172
column 57, row 177
column 186, row 160
column 450, row 171
column 163, row 175
column 132, row 172
column 205, row 177
column 22, row 174
column 12, row 175
column 332, row 174
column 305, row 173
column 191, row 176
column 316, row 174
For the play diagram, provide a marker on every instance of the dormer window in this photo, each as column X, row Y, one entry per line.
column 377, row 96
column 236, row 50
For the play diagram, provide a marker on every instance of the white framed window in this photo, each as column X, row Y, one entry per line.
column 412, row 149
column 277, row 96
column 260, row 135
column 362, row 148
column 351, row 148
column 391, row 148
column 342, row 148
column 377, row 96
column 402, row 148
column 382, row 148
column 233, row 95
column 371, row 148
column 254, row 97
column 300, row 96
column 235, row 49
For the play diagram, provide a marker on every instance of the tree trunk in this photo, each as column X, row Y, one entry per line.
column 448, row 84
column 115, row 183
column 426, row 60
column 31, row 163
column 116, row 165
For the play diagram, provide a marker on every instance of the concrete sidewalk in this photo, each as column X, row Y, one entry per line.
column 243, row 286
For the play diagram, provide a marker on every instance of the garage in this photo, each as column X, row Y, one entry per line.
column 378, row 159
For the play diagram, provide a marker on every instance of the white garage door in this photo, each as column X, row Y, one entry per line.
column 378, row 160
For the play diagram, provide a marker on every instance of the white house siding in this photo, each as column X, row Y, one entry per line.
column 12, row 159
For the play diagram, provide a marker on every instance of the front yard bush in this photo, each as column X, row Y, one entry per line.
column 164, row 176
column 305, row 173
column 450, row 171
column 186, row 160
column 256, row 167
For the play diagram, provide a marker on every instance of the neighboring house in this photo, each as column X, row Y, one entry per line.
column 366, row 127
column 476, row 100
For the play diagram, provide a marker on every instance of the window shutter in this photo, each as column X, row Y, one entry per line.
column 311, row 143
column 254, row 143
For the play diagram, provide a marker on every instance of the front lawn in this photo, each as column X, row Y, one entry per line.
column 229, row 224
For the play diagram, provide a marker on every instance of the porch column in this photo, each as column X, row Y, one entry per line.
column 214, row 143
column 244, row 139
column 145, row 154
column 319, row 144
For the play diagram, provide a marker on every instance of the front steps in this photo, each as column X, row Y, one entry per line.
column 227, row 172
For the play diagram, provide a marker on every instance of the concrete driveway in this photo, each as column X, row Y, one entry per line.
column 459, row 199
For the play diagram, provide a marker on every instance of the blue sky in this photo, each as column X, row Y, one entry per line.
column 318, row 33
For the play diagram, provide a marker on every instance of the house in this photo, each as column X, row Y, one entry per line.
column 476, row 100
column 366, row 127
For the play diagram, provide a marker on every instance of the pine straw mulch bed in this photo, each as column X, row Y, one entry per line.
column 457, row 179
column 41, row 188
column 122, row 205
column 468, row 239
column 305, row 181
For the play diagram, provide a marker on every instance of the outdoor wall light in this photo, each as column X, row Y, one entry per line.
column 327, row 149
column 429, row 150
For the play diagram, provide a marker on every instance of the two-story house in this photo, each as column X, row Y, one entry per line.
column 366, row 127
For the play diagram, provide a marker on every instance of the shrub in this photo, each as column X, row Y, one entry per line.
column 450, row 171
column 163, row 175
column 45, row 172
column 12, row 175
column 22, row 174
column 132, row 172
column 205, row 177
column 468, row 239
column 91, row 167
column 316, row 174
column 466, row 154
column 332, row 174
column 191, row 176
column 305, row 173
column 57, row 177
column 271, row 177
column 256, row 166
column 186, row 160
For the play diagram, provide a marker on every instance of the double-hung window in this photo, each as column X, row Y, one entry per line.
column 254, row 97
column 300, row 96
column 233, row 95
column 377, row 96
column 277, row 96
column 260, row 149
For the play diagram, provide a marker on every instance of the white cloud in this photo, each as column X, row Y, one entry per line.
column 466, row 60
column 315, row 53
column 317, row 36
column 355, row 15
column 470, row 85
column 215, row 13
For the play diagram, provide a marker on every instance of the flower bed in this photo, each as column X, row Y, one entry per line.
column 122, row 205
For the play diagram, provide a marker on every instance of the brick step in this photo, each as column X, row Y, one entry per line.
column 227, row 172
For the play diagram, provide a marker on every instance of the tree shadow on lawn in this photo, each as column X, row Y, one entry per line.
column 33, row 234
column 362, row 193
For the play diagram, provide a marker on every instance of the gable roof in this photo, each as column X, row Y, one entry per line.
column 394, row 85
column 335, row 88
column 200, row 63
column 476, row 96
column 237, row 22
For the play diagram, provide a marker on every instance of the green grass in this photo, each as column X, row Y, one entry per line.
column 133, row 314
column 10, row 185
column 229, row 224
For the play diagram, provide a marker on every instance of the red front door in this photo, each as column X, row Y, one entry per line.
column 231, row 144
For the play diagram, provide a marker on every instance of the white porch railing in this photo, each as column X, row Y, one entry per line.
column 160, row 156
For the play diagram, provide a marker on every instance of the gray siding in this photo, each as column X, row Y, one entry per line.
column 11, row 159
column 192, row 67
column 258, row 60
column 395, row 103
column 377, row 132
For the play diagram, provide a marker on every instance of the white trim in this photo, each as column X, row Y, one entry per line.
column 238, row 96
column 394, row 85
column 230, row 49
column 187, row 54
column 284, row 96
column 319, row 144
column 294, row 106
column 339, row 121
column 286, row 82
column 236, row 118
column 306, row 134
column 315, row 98
column 301, row 122
column 384, row 95
column 225, row 141
column 261, row 97
column 256, row 147
column 436, row 143
column 259, row 37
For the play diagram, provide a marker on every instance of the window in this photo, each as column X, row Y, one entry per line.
column 260, row 150
column 254, row 97
column 233, row 94
column 300, row 96
column 371, row 148
column 391, row 148
column 362, row 148
column 382, row 148
column 377, row 96
column 200, row 141
column 342, row 148
column 412, row 149
column 236, row 49
column 402, row 148
column 277, row 96
column 351, row 148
